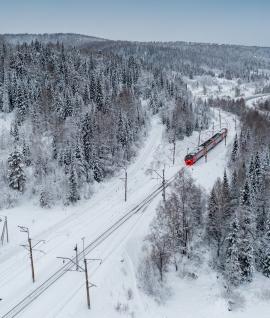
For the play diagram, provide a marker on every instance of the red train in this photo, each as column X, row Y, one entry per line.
column 205, row 147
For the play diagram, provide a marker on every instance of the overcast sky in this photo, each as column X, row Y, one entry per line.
column 220, row 21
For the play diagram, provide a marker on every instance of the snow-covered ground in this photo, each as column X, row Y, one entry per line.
column 62, row 228
column 215, row 87
column 253, row 100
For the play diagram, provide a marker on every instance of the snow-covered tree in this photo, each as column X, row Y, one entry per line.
column 16, row 175
column 233, row 269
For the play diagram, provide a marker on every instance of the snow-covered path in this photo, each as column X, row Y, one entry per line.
column 62, row 229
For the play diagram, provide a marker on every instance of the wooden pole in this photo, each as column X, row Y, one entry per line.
column 6, row 223
column 174, row 150
column 87, row 284
column 163, row 184
column 31, row 258
column 77, row 261
column 125, row 185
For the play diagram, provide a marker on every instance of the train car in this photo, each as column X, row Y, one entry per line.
column 205, row 147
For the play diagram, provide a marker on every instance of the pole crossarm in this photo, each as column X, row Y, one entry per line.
column 30, row 248
column 71, row 260
column 41, row 241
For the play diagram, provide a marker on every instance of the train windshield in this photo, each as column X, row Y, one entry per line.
column 189, row 157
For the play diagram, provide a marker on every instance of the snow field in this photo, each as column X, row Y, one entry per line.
column 117, row 292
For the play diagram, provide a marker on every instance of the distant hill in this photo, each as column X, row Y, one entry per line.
column 70, row 39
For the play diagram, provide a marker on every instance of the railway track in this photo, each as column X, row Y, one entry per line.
column 27, row 300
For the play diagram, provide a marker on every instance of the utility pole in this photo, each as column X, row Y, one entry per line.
column 125, row 185
column 77, row 261
column 30, row 248
column 85, row 270
column 162, row 177
column 163, row 185
column 6, row 223
column 31, row 258
column 199, row 141
column 4, row 233
column 219, row 119
column 83, row 238
column 125, row 181
column 87, row 284
column 173, row 141
column 174, row 146
column 213, row 128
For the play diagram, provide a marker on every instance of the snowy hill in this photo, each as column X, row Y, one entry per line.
column 70, row 39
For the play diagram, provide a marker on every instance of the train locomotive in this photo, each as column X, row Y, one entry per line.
column 205, row 147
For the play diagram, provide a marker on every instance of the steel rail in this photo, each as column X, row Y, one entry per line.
column 27, row 300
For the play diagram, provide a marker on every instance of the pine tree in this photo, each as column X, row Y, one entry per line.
column 246, row 250
column 54, row 148
column 86, row 95
column 96, row 167
column 213, row 231
column 235, row 149
column 233, row 270
column 99, row 96
column 45, row 198
column 73, row 194
column 245, row 195
column 21, row 103
column 79, row 162
column 121, row 131
column 246, row 255
column 92, row 88
column 26, row 154
column 14, row 131
column 16, row 175
column 266, row 263
column 5, row 100
column 226, row 198
column 234, row 190
column 257, row 174
column 265, row 251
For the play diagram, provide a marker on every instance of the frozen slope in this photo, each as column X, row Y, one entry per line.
column 62, row 229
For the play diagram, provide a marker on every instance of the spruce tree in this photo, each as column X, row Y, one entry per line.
column 226, row 198
column 234, row 190
column 246, row 250
column 5, row 100
column 213, row 231
column 265, row 251
column 26, row 154
column 235, row 149
column 99, row 96
column 233, row 270
column 87, row 136
column 16, row 175
column 245, row 195
column 246, row 255
column 73, row 193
